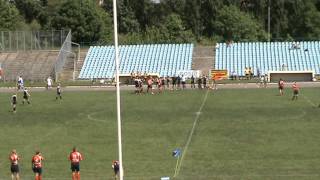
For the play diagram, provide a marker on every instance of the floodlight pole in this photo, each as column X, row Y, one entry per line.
column 115, row 25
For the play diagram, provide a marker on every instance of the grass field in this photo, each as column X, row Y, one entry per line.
column 239, row 134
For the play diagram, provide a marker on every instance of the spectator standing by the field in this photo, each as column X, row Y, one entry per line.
column 14, row 165
column 258, row 72
column 37, row 165
column 14, row 100
column 234, row 75
column 246, row 72
column 204, row 81
column 281, row 87
column 26, row 96
column 261, row 84
column 192, row 82
column 295, row 89
column 59, row 92
column 20, row 83
column 75, row 157
column 1, row 72
column 251, row 73
column 265, row 80
column 199, row 83
column 179, row 82
column 49, row 83
column 116, row 168
column 183, row 80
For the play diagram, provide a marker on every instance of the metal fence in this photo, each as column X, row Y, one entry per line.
column 31, row 40
column 65, row 52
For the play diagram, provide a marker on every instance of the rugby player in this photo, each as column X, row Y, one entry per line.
column 14, row 158
column 58, row 92
column 75, row 157
column 37, row 165
column 14, row 100
column 26, row 96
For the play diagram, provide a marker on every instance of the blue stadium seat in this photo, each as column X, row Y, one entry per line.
column 165, row 59
column 268, row 56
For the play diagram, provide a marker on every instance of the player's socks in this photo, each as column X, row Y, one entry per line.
column 78, row 176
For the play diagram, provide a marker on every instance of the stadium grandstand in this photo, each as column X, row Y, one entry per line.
column 268, row 56
column 164, row 59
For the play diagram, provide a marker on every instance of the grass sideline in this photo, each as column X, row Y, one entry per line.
column 240, row 134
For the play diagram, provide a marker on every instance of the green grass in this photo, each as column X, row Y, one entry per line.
column 44, row 83
column 240, row 134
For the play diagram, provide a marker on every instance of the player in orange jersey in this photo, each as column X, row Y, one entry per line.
column 75, row 157
column 14, row 158
column 149, row 84
column 295, row 89
column 37, row 165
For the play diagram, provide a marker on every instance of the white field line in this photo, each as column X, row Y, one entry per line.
column 196, row 119
column 94, row 119
column 200, row 177
column 309, row 101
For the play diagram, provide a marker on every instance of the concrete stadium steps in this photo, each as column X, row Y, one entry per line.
column 35, row 65
column 67, row 73
column 203, row 58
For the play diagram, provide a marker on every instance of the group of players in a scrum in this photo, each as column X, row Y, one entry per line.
column 162, row 83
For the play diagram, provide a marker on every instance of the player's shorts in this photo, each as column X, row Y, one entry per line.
column 14, row 168
column 295, row 92
column 25, row 97
column 150, row 86
column 281, row 87
column 116, row 170
column 37, row 170
column 75, row 167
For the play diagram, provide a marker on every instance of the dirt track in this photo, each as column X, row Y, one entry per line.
column 112, row 88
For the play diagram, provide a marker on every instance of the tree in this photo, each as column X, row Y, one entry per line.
column 87, row 22
column 192, row 17
column 127, row 20
column 9, row 17
column 30, row 9
column 232, row 24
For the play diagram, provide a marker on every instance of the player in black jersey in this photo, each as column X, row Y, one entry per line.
column 26, row 96
column 14, row 103
column 58, row 92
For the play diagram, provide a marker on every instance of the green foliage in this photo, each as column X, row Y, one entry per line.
column 9, row 17
column 87, row 22
column 143, row 21
column 235, row 25
column 30, row 9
